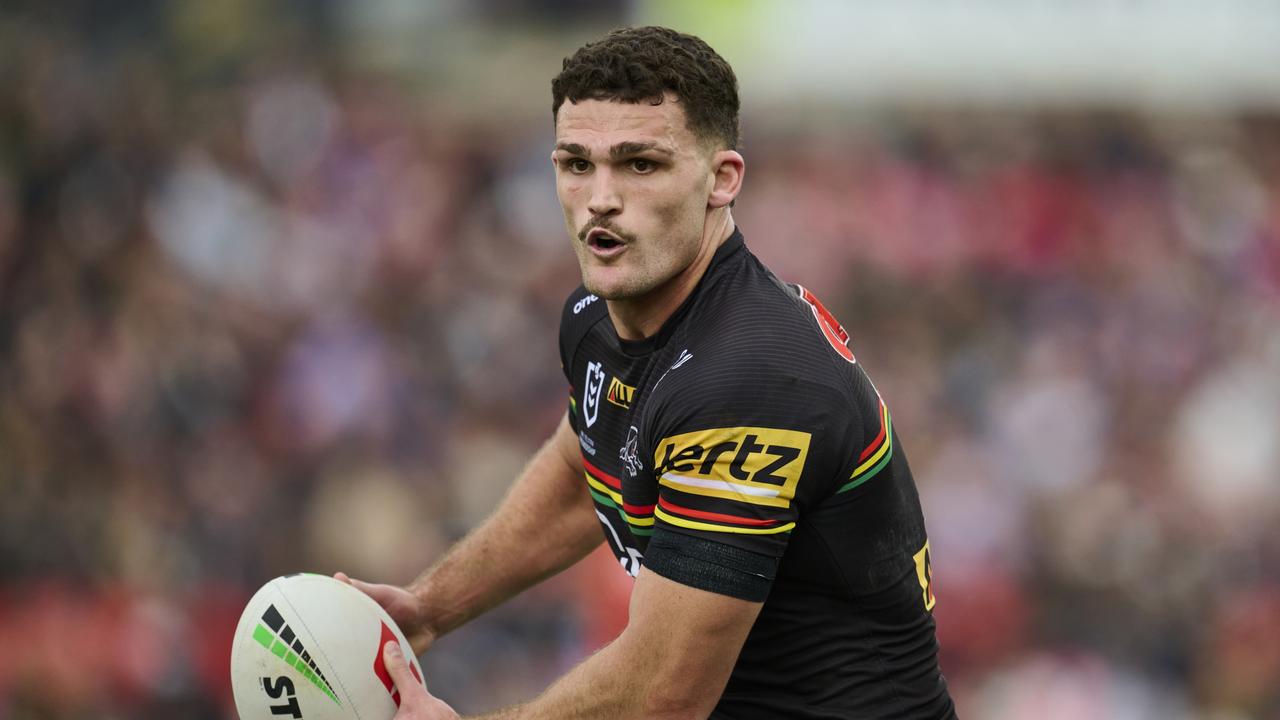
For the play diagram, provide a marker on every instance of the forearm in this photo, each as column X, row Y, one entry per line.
column 545, row 524
column 600, row 687
column 671, row 663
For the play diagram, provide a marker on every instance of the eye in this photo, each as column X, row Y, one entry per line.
column 643, row 166
column 577, row 166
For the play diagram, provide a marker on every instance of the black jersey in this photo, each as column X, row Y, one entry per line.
column 741, row 449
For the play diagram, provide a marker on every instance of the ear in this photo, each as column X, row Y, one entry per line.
column 729, row 168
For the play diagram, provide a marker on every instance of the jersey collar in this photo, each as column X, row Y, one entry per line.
column 636, row 348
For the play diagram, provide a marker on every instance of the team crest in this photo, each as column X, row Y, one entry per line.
column 591, row 392
column 630, row 457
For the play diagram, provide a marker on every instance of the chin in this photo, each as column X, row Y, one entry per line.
column 615, row 285
column 606, row 292
column 617, row 289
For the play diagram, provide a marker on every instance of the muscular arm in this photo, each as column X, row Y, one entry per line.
column 671, row 662
column 520, row 544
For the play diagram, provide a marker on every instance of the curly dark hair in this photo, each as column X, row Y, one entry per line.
column 635, row 65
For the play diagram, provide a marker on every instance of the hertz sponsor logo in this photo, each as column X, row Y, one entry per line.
column 924, row 573
column 750, row 464
column 620, row 394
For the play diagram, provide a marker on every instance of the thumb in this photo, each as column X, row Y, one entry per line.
column 401, row 674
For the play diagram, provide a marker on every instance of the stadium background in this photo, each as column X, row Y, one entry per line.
column 279, row 285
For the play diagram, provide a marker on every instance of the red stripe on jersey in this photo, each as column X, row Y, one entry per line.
column 602, row 476
column 718, row 517
column 637, row 509
column 874, row 443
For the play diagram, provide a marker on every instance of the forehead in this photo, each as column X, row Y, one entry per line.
column 600, row 124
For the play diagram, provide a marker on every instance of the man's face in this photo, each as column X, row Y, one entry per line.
column 634, row 182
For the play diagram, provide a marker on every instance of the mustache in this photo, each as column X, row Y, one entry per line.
column 604, row 224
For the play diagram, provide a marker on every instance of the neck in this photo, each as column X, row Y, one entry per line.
column 639, row 318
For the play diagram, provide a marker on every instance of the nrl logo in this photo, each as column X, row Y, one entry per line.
column 591, row 392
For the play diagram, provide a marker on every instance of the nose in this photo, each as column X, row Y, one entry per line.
column 605, row 200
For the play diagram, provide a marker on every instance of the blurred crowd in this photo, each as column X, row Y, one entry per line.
column 285, row 314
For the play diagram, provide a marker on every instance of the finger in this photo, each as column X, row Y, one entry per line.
column 369, row 589
column 399, row 669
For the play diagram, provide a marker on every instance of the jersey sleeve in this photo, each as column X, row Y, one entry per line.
column 743, row 454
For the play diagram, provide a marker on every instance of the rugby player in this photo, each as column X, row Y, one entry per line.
column 721, row 438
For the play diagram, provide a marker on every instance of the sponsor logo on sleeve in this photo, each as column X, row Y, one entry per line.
column 591, row 392
column 924, row 573
column 583, row 303
column 837, row 337
column 756, row 465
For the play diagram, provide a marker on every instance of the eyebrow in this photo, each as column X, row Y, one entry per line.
column 622, row 149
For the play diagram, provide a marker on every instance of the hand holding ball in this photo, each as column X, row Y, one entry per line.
column 310, row 646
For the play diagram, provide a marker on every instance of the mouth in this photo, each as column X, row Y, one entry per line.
column 604, row 243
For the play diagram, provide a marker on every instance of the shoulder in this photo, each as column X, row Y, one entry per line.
column 757, row 379
column 581, row 306
column 581, row 311
column 752, row 324
column 753, row 353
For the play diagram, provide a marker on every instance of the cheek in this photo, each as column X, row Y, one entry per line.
column 569, row 206
column 564, row 192
column 673, row 213
column 687, row 203
column 682, row 198
column 569, row 188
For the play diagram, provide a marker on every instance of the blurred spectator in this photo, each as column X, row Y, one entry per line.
column 263, row 311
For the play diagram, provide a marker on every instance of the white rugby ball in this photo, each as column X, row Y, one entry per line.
column 310, row 646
